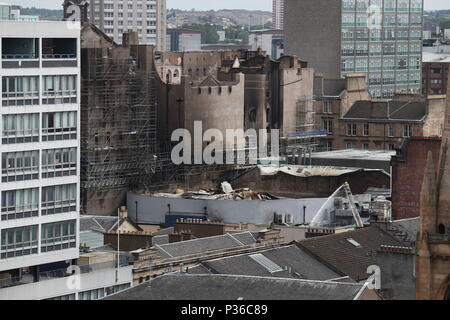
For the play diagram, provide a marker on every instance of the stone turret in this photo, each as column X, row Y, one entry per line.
column 428, row 198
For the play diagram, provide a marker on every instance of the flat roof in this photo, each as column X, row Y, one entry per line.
column 436, row 57
column 376, row 155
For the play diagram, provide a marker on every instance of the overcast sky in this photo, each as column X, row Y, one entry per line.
column 209, row 4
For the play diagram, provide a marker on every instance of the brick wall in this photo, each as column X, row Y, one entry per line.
column 407, row 175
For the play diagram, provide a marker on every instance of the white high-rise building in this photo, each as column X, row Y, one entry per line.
column 278, row 14
column 147, row 18
column 39, row 147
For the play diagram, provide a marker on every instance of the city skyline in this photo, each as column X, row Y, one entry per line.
column 212, row 5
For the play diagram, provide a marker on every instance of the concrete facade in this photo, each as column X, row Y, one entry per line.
column 312, row 31
column 116, row 17
column 183, row 40
column 339, row 37
column 40, row 145
column 153, row 209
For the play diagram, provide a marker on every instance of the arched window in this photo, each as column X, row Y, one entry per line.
column 230, row 89
column 441, row 229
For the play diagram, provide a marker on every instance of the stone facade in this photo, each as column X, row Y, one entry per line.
column 433, row 244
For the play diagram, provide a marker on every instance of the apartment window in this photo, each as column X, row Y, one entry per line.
column 351, row 129
column 59, row 126
column 19, row 204
column 328, row 126
column 366, row 146
column 58, row 236
column 351, row 145
column 436, row 70
column 407, row 131
column 59, row 89
column 19, row 242
column 20, row 166
column 391, row 131
column 392, row 147
column 20, row 128
column 20, row 91
column 328, row 106
column 366, row 131
column 59, row 162
column 58, row 199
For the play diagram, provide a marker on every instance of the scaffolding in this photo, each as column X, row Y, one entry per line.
column 305, row 140
column 119, row 124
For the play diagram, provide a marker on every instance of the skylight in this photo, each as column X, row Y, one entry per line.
column 271, row 266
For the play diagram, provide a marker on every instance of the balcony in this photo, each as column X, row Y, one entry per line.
column 20, row 53
column 59, row 52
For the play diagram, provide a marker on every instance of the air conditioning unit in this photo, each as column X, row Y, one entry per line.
column 289, row 219
column 278, row 218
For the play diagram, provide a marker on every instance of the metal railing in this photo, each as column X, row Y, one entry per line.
column 59, row 56
column 20, row 56
column 61, row 273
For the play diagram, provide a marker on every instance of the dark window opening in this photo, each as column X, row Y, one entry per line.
column 20, row 48
column 59, row 48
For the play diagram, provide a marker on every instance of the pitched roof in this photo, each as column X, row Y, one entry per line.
column 196, row 246
column 99, row 32
column 387, row 110
column 210, row 81
column 342, row 252
column 224, row 287
column 97, row 223
column 294, row 263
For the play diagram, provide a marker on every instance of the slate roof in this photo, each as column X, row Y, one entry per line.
column 165, row 231
column 196, row 246
column 97, row 223
column 223, row 287
column 387, row 110
column 353, row 261
column 301, row 264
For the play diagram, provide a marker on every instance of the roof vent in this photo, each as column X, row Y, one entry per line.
column 353, row 242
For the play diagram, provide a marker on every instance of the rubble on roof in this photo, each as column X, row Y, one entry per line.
column 225, row 192
column 308, row 171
